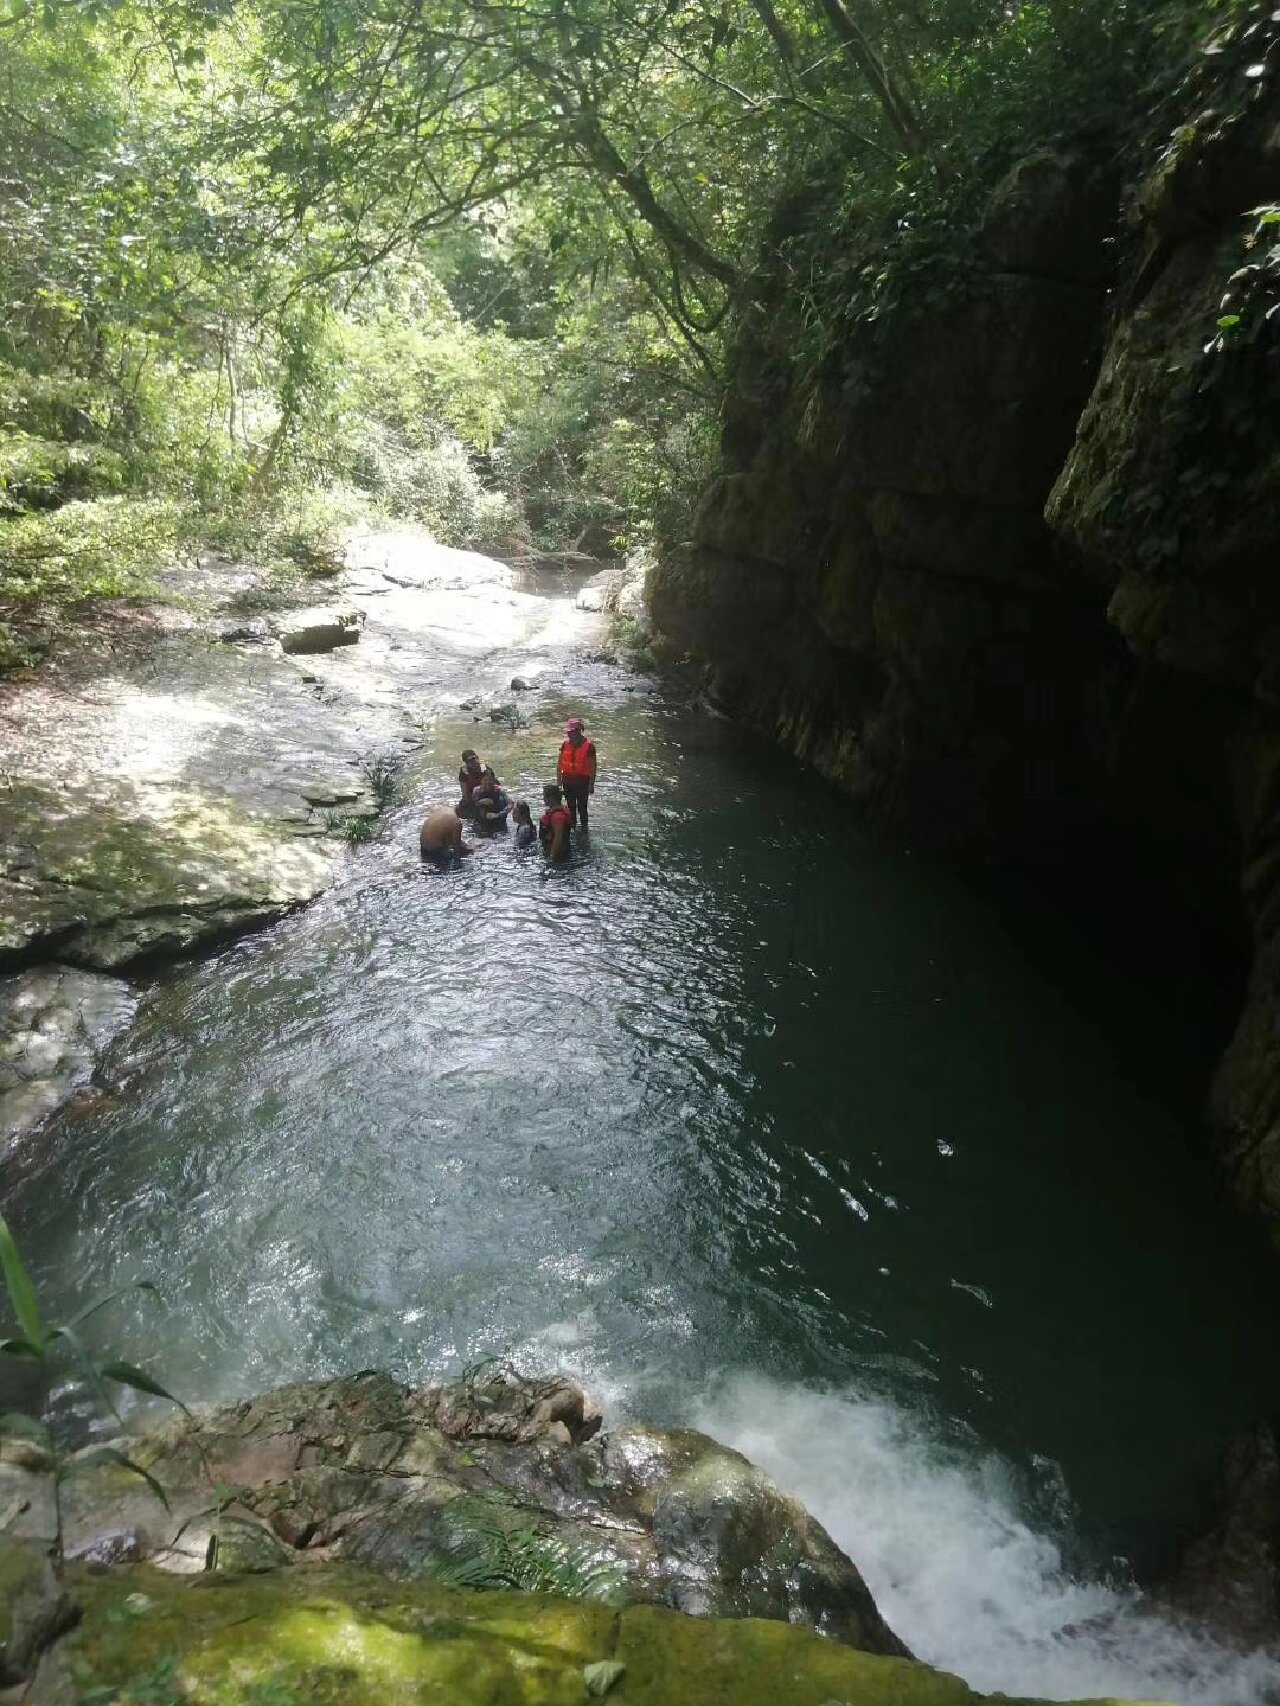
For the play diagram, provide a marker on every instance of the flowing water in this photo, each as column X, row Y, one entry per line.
column 744, row 1118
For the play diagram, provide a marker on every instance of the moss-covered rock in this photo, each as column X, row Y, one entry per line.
column 35, row 1608
column 500, row 1482
column 332, row 1635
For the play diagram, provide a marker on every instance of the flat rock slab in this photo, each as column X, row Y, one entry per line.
column 162, row 797
column 54, row 1023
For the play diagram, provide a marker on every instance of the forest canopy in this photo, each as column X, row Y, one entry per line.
column 269, row 263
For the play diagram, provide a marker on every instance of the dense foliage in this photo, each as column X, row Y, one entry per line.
column 268, row 263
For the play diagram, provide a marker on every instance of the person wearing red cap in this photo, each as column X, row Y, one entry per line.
column 576, row 770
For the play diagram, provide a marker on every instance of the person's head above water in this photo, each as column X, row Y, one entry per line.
column 522, row 812
column 552, row 795
column 488, row 774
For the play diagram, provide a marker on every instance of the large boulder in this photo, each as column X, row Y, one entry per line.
column 496, row 1482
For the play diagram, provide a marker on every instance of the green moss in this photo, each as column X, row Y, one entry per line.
column 329, row 1634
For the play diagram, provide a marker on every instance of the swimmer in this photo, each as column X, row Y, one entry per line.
column 553, row 825
column 469, row 776
column 441, row 837
column 526, row 833
column 490, row 803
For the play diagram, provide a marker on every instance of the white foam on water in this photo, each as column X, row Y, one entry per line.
column 961, row 1574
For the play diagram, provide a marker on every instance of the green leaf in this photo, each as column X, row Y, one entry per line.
column 128, row 1374
column 22, row 1294
column 89, row 1309
column 601, row 1676
column 97, row 1454
column 17, row 1424
column 1226, row 322
column 64, row 1330
column 18, row 1348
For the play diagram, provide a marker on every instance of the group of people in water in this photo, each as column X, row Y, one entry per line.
column 487, row 806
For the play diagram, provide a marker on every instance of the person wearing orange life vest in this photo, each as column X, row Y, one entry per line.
column 576, row 770
column 553, row 825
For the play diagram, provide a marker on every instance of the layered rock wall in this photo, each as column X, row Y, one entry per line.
column 1005, row 563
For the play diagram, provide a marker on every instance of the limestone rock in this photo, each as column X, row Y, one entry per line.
column 601, row 591
column 502, row 1481
column 1230, row 1575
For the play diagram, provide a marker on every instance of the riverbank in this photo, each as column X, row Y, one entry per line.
column 179, row 772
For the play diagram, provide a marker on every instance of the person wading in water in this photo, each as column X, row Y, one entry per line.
column 469, row 776
column 553, row 825
column 576, row 770
column 441, row 838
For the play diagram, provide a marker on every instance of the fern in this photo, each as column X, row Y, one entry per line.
column 486, row 1543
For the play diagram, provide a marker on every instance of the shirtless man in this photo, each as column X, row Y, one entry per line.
column 441, row 837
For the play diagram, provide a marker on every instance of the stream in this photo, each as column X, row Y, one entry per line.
column 746, row 1119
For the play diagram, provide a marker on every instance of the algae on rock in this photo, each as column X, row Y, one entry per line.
column 334, row 1635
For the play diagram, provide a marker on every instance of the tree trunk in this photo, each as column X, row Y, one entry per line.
column 894, row 103
column 633, row 181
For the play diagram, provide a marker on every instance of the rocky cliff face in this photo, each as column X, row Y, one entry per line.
column 1006, row 567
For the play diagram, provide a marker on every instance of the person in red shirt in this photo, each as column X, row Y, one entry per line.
column 553, row 825
column 576, row 770
column 469, row 777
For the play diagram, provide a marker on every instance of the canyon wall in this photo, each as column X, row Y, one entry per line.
column 1006, row 562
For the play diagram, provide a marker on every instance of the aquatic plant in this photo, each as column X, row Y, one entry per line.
column 41, row 1346
column 381, row 772
column 355, row 829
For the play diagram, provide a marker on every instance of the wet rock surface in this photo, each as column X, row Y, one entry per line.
column 499, row 1482
column 306, row 631
column 1231, row 1573
column 54, row 1022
